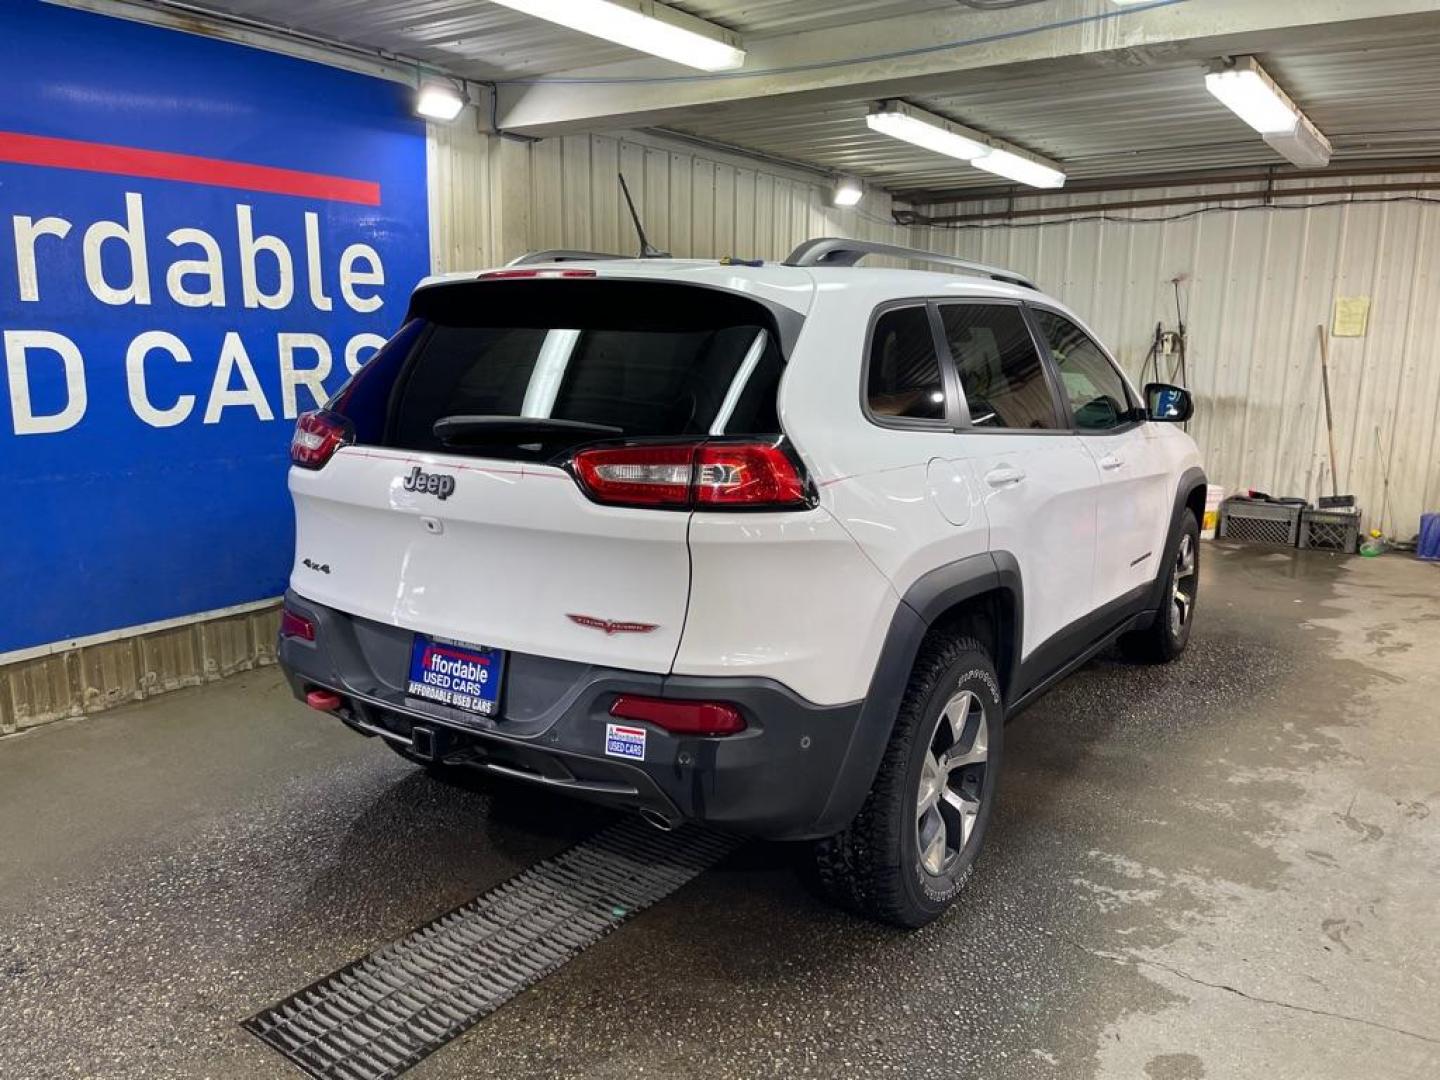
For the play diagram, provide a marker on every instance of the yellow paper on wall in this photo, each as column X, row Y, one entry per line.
column 1352, row 316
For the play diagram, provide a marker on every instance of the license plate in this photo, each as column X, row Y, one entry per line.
column 452, row 673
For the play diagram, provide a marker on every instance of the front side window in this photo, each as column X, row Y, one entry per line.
column 904, row 377
column 1094, row 390
column 1000, row 371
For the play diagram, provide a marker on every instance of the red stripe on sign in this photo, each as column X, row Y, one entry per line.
column 157, row 165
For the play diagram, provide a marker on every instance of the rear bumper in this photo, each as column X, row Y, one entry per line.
column 777, row 779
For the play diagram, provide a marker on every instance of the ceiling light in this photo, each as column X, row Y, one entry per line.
column 1304, row 147
column 646, row 26
column 847, row 192
column 925, row 129
column 912, row 125
column 439, row 101
column 1021, row 169
column 1250, row 93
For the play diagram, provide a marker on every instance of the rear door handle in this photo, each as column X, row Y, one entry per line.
column 1004, row 476
column 1111, row 462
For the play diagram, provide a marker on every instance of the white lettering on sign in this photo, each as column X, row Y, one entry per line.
column 140, row 401
column 313, row 378
column 132, row 236
column 114, row 258
column 18, row 343
column 27, row 231
column 353, row 361
column 251, row 248
column 374, row 274
column 210, row 266
column 234, row 359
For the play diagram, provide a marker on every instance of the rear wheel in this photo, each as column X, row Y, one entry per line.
column 910, row 850
column 1169, row 632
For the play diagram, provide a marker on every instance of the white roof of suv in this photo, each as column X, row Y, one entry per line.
column 822, row 264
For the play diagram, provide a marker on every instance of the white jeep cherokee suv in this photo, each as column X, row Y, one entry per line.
column 778, row 548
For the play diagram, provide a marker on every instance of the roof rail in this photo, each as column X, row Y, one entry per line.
column 554, row 255
column 835, row 251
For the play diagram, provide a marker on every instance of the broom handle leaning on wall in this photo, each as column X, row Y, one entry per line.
column 1329, row 421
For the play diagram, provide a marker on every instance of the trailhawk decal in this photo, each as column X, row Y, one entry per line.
column 613, row 626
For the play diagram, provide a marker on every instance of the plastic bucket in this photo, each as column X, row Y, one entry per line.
column 1214, row 496
column 1429, row 545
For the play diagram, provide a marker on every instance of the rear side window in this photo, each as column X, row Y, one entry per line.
column 904, row 372
column 1093, row 388
column 640, row 359
column 1000, row 371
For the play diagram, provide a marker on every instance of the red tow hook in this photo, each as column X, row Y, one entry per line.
column 324, row 700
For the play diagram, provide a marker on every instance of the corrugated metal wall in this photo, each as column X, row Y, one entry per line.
column 564, row 193
column 1256, row 285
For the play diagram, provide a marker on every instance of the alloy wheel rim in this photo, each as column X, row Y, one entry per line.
column 1182, row 586
column 952, row 782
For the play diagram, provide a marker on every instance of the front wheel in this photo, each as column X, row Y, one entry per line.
column 911, row 849
column 1168, row 633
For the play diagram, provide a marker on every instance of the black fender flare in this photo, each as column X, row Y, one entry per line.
column 933, row 594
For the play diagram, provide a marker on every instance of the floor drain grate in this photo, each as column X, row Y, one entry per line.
column 382, row 1014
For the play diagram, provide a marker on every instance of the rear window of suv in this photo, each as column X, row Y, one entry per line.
column 647, row 359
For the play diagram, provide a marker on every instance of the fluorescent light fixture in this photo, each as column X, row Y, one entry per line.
column 1304, row 147
column 1250, row 93
column 1023, row 169
column 847, row 192
column 439, row 101
column 1130, row 3
column 646, row 26
column 926, row 130
column 931, row 132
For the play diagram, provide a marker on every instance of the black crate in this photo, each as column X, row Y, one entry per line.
column 1258, row 522
column 1330, row 530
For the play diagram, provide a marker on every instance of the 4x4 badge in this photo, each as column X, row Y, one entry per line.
column 437, row 484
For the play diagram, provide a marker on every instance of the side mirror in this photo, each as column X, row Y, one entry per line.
column 1168, row 404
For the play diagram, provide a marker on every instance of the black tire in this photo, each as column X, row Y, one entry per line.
column 875, row 867
column 1168, row 633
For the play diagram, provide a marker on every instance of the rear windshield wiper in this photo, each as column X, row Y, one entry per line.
column 470, row 430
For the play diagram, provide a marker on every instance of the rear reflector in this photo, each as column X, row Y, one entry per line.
column 680, row 717
column 296, row 626
column 318, row 435
column 730, row 475
column 324, row 700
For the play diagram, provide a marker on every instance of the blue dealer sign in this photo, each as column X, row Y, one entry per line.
column 197, row 242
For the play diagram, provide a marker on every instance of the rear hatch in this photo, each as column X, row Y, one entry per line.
column 446, row 488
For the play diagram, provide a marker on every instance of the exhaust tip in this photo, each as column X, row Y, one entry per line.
column 654, row 817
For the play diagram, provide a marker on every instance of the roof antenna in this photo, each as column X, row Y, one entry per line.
column 647, row 250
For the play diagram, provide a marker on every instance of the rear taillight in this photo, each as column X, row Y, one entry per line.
column 296, row 626
column 317, row 436
column 721, row 475
column 680, row 717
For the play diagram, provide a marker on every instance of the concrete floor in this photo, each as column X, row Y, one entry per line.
column 1227, row 867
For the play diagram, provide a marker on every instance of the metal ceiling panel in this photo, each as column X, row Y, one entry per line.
column 1373, row 96
column 485, row 41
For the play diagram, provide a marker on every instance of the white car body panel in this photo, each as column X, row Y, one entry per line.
column 520, row 549
column 755, row 608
